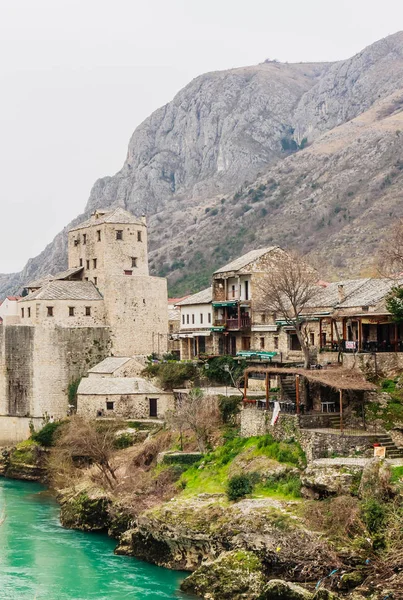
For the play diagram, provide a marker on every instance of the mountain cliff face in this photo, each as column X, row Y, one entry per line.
column 301, row 155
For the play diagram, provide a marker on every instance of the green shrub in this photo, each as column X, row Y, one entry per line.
column 374, row 515
column 172, row 374
column 230, row 407
column 284, row 452
column 124, row 440
column 239, row 486
column 46, row 435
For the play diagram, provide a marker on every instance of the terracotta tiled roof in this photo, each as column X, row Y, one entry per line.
column 65, row 290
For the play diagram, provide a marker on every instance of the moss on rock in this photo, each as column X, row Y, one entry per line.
column 85, row 512
column 235, row 575
column 283, row 590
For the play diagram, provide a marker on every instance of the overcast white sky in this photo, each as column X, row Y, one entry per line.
column 77, row 77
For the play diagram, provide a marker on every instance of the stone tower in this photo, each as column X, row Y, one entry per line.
column 111, row 248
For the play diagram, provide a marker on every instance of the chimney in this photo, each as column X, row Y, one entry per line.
column 143, row 219
column 341, row 292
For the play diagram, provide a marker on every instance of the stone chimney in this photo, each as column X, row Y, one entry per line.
column 144, row 219
column 341, row 292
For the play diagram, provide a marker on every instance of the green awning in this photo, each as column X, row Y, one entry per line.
column 226, row 303
column 221, row 328
column 256, row 353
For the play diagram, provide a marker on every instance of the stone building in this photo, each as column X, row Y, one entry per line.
column 104, row 303
column 196, row 324
column 9, row 310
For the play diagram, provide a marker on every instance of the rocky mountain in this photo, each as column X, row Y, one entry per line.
column 302, row 155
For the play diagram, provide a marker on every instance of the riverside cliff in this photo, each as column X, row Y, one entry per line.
column 239, row 519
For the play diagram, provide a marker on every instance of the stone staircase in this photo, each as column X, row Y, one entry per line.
column 392, row 451
column 288, row 389
column 335, row 421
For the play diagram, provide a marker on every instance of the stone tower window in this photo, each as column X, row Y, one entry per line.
column 76, row 242
column 22, row 313
column 139, row 236
column 29, row 312
column 134, row 261
column 95, row 280
column 50, row 311
column 88, row 311
column 88, row 264
column 94, row 263
column 98, row 235
column 119, row 234
column 109, row 405
column 128, row 272
column 84, row 238
column 71, row 311
column 81, row 262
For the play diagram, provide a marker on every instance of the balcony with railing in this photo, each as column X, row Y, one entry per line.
column 234, row 324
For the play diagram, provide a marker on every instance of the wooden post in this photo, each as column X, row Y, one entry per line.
column 331, row 332
column 297, row 392
column 320, row 333
column 396, row 340
column 245, row 386
column 341, row 410
column 267, row 391
column 189, row 353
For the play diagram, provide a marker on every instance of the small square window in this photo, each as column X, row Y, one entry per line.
column 76, row 242
column 119, row 234
column 84, row 238
column 22, row 313
column 98, row 235
column 81, row 262
column 87, row 262
column 29, row 312
column 128, row 272
column 139, row 236
column 86, row 278
column 71, row 311
column 94, row 263
column 88, row 311
column 50, row 311
column 134, row 261
column 110, row 405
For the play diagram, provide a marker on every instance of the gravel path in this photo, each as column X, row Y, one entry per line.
column 359, row 462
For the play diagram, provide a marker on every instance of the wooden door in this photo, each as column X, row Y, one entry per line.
column 153, row 407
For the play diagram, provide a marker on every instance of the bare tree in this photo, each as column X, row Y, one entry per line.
column 289, row 289
column 390, row 259
column 198, row 413
column 92, row 441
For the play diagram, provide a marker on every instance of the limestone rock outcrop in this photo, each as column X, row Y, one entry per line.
column 299, row 155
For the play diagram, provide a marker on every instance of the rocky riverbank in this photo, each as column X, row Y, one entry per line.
column 298, row 533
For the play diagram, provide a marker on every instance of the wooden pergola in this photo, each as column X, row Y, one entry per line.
column 339, row 379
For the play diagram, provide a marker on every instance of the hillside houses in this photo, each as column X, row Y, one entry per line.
column 227, row 319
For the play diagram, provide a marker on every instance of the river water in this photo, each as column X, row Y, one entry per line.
column 39, row 560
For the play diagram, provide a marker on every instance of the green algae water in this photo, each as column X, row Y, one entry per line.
column 39, row 560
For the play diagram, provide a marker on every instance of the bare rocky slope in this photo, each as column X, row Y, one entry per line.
column 307, row 156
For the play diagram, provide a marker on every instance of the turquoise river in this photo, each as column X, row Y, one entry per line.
column 39, row 560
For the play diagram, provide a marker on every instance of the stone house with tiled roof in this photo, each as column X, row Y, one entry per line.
column 195, row 325
column 104, row 303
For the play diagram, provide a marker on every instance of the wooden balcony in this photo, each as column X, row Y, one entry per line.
column 234, row 324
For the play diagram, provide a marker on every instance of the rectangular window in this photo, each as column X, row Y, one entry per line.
column 119, row 234
column 246, row 343
column 29, row 312
column 95, row 280
column 153, row 407
column 262, row 343
column 76, row 242
column 233, row 291
column 187, row 319
column 183, row 319
column 84, row 238
column 50, row 311
column 81, row 262
column 98, row 235
column 209, row 317
column 263, row 317
column 86, row 278
column 128, row 272
column 134, row 261
column 94, row 263
column 171, row 328
column 139, row 236
column 22, row 313
column 193, row 319
column 246, row 290
column 312, row 339
column 109, row 405
column 88, row 311
column 201, row 318
column 87, row 262
column 276, row 342
column 71, row 311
